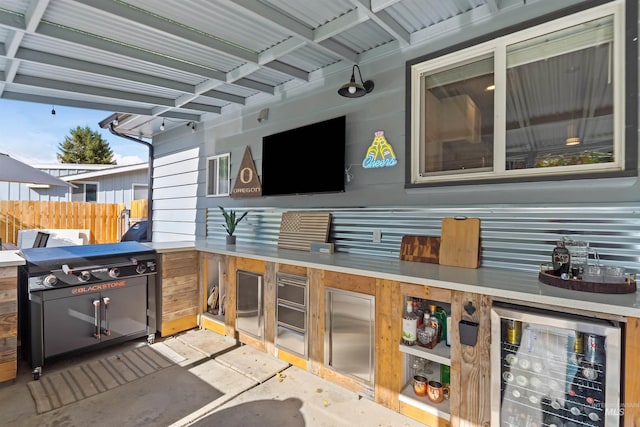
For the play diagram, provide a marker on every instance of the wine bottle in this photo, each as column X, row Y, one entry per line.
column 418, row 310
column 561, row 259
column 435, row 322
column 445, row 374
column 551, row 410
column 594, row 404
column 441, row 314
column 409, row 325
column 575, row 402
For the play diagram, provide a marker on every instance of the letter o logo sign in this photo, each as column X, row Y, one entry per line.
column 246, row 175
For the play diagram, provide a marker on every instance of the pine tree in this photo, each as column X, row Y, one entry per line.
column 85, row 146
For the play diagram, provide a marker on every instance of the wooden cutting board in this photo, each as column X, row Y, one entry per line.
column 420, row 248
column 460, row 242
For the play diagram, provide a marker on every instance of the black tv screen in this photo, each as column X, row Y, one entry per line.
column 308, row 159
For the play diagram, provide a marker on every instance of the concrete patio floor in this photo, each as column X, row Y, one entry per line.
column 212, row 382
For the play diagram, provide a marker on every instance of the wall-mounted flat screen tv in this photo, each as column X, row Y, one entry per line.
column 308, row 159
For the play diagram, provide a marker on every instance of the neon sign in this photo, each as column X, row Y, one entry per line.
column 380, row 153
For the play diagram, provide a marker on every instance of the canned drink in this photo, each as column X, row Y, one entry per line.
column 578, row 344
column 514, row 332
column 594, row 348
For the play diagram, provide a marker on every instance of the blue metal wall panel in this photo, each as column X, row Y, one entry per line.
column 518, row 238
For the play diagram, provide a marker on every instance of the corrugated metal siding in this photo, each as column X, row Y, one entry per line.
column 309, row 58
column 517, row 238
column 364, row 37
column 313, row 13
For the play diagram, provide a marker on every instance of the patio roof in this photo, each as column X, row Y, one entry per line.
column 181, row 61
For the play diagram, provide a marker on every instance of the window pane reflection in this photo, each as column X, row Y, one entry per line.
column 457, row 125
column 560, row 98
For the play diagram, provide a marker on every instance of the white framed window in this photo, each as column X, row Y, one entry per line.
column 140, row 191
column 218, row 180
column 84, row 192
column 545, row 102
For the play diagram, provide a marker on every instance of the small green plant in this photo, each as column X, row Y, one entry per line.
column 231, row 220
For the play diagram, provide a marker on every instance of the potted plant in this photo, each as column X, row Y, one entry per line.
column 231, row 220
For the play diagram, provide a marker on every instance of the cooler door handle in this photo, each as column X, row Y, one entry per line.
column 96, row 318
column 106, row 301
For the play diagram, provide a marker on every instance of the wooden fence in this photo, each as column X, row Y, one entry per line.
column 102, row 219
column 138, row 209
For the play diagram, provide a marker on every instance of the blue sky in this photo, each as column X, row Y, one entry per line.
column 31, row 134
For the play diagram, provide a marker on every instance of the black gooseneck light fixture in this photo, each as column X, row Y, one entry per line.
column 354, row 89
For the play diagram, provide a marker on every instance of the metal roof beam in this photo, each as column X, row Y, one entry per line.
column 12, row 20
column 252, row 84
column 175, row 114
column 289, row 70
column 34, row 14
column 90, row 90
column 202, row 107
column 89, row 105
column 340, row 24
column 378, row 5
column 164, row 25
column 280, row 50
column 144, row 18
column 101, row 70
column 291, row 26
column 110, row 46
column 386, row 22
column 224, row 96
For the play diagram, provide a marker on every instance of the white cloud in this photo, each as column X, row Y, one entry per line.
column 128, row 160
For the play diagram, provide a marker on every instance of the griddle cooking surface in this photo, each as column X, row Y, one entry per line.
column 56, row 256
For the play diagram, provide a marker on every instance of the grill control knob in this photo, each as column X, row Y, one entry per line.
column 114, row 272
column 141, row 268
column 84, row 276
column 50, row 280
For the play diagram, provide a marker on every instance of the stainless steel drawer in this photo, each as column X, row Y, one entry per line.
column 291, row 340
column 292, row 317
column 292, row 291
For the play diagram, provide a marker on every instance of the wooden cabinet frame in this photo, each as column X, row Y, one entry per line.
column 470, row 366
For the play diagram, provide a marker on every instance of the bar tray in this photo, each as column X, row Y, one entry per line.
column 548, row 277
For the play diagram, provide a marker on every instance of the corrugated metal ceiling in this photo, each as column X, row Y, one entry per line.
column 186, row 60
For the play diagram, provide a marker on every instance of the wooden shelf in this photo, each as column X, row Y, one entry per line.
column 441, row 410
column 439, row 354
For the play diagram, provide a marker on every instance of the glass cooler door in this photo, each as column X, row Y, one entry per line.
column 553, row 370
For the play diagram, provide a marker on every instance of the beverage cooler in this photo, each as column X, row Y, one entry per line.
column 551, row 369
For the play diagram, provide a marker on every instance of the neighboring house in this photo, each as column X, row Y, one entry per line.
column 94, row 183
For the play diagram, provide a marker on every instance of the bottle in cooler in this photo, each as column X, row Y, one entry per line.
column 564, row 371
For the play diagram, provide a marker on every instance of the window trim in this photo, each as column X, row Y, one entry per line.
column 84, row 190
column 135, row 186
column 625, row 94
column 217, row 158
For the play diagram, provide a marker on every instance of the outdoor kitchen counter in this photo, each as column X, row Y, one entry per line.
column 11, row 258
column 520, row 286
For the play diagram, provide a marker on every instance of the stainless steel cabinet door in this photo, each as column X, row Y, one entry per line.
column 249, row 303
column 350, row 326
